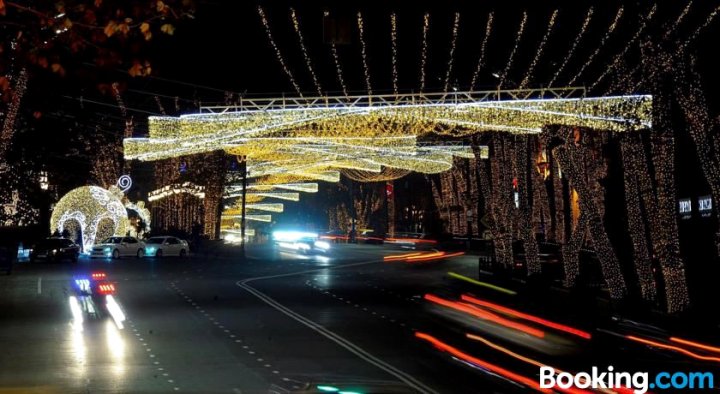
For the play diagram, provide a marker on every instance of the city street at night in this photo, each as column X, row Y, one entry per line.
column 359, row 197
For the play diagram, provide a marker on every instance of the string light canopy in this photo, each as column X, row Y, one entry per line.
column 314, row 136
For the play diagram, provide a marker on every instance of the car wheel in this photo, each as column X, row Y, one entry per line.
column 159, row 253
column 140, row 253
column 116, row 254
column 183, row 253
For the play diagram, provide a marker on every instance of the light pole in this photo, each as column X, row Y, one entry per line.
column 243, row 173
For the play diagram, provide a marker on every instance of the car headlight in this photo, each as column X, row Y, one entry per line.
column 324, row 245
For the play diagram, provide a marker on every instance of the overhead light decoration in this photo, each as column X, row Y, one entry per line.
column 268, row 207
column 95, row 212
column 310, row 138
column 178, row 188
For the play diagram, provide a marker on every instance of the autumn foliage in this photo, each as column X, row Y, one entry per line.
column 57, row 35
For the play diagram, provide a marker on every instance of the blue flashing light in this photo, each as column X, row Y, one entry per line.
column 328, row 389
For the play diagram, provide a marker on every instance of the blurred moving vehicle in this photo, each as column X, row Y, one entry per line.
column 166, row 246
column 93, row 298
column 335, row 236
column 55, row 249
column 117, row 247
column 303, row 242
column 413, row 241
column 369, row 237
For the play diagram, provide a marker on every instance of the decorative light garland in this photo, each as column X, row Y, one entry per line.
column 363, row 50
column 453, row 44
column 9, row 123
column 481, row 59
column 424, row 50
column 301, row 41
column 183, row 188
column 679, row 20
column 267, row 207
column 607, row 35
column 569, row 157
column 278, row 54
column 618, row 58
column 541, row 48
column 636, row 225
column 699, row 30
column 574, row 46
column 338, row 68
column 509, row 64
column 393, row 42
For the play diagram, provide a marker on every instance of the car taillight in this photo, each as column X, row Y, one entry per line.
column 98, row 275
column 106, row 288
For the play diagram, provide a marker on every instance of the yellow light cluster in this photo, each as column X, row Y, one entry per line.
column 269, row 207
column 95, row 212
column 184, row 188
column 372, row 134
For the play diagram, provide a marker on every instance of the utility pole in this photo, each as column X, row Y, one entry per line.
column 243, row 173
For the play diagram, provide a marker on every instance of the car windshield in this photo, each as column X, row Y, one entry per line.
column 156, row 240
column 49, row 243
column 112, row 240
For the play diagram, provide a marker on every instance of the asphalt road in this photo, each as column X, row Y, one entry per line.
column 282, row 322
column 279, row 322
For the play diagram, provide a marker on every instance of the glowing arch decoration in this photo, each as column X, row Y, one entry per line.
column 177, row 188
column 142, row 212
column 84, row 209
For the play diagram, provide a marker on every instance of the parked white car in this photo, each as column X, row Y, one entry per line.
column 117, row 247
column 166, row 246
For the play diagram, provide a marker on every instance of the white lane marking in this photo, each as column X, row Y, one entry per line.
column 39, row 284
column 351, row 347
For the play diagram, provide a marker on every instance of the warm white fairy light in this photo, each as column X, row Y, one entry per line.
column 569, row 157
column 363, row 51
column 178, row 188
column 703, row 26
column 481, row 59
column 509, row 64
column 9, row 123
column 679, row 20
column 424, row 50
column 636, row 224
column 301, row 41
column 453, row 44
column 619, row 57
column 541, row 48
column 574, row 46
column 84, row 209
column 338, row 68
column 278, row 54
column 607, row 35
column 267, row 207
column 393, row 42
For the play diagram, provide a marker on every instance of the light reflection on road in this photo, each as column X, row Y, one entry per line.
column 116, row 347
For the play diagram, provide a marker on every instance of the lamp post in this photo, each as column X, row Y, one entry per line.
column 243, row 173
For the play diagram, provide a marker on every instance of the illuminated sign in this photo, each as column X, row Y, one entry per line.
column 705, row 206
column 685, row 208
